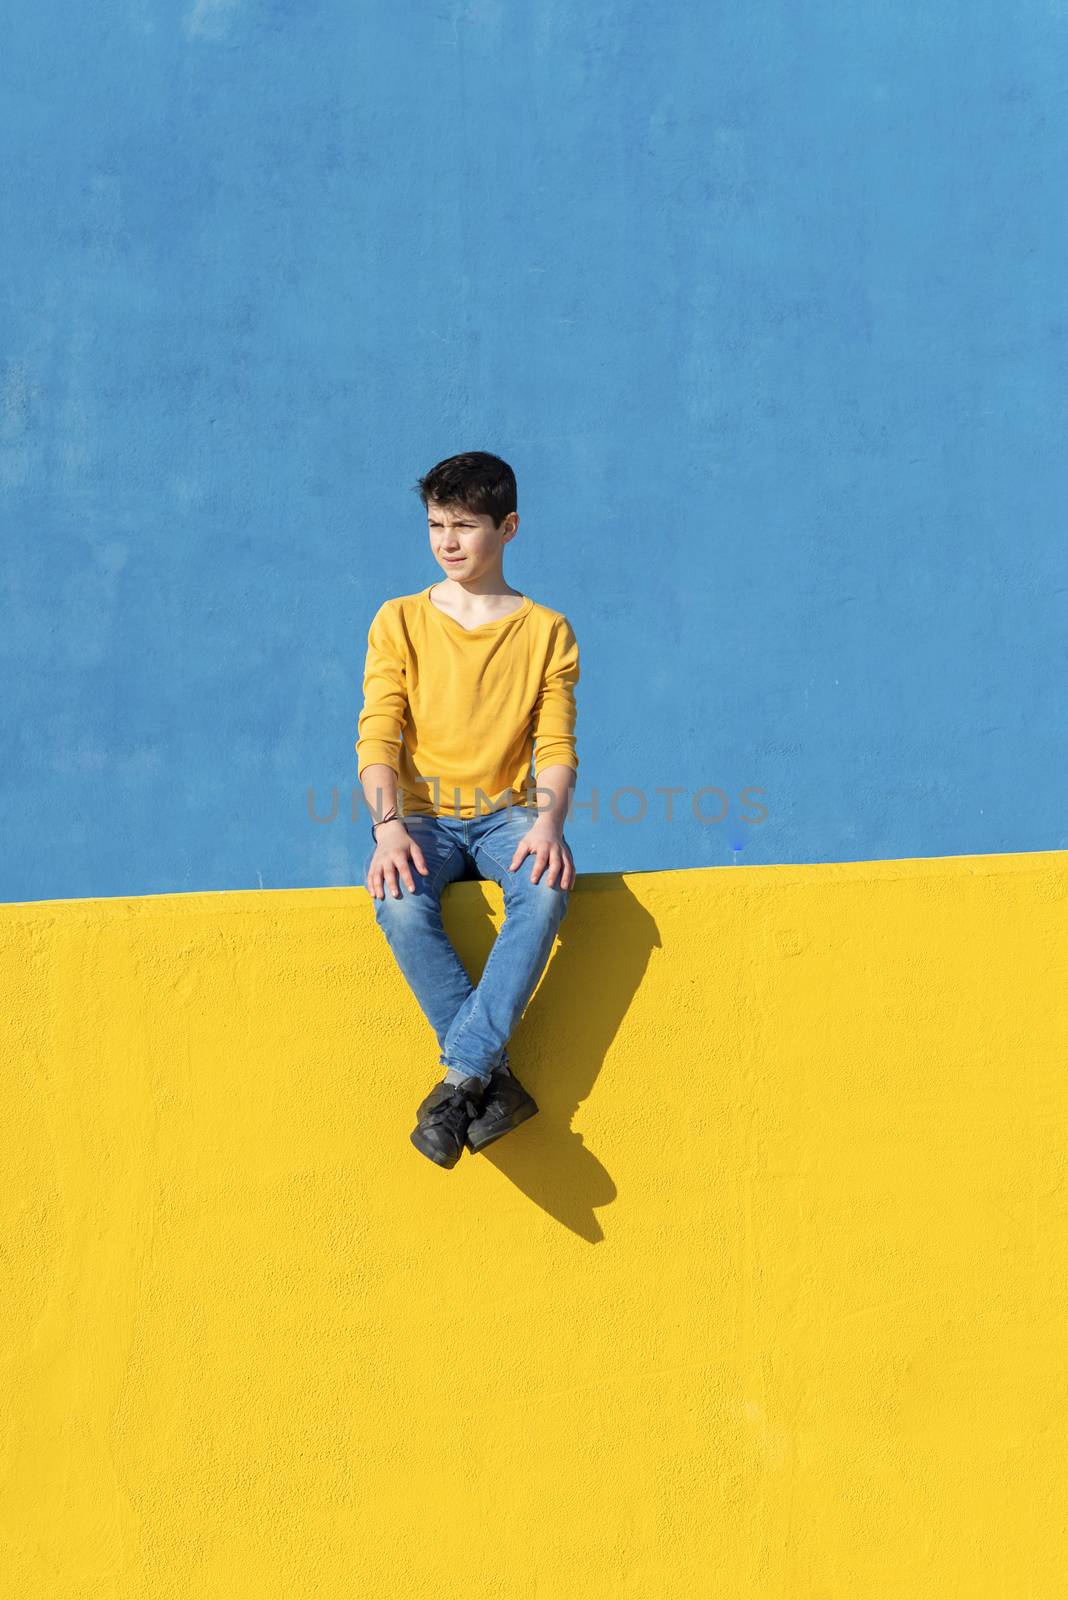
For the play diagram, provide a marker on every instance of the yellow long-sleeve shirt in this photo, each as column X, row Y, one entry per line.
column 454, row 710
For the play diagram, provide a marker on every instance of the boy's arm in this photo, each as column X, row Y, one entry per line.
column 380, row 792
column 555, row 715
column 558, row 781
column 384, row 713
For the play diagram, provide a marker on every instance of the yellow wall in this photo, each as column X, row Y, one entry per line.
column 769, row 1300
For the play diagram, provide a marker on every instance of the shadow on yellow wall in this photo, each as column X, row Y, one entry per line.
column 566, row 1033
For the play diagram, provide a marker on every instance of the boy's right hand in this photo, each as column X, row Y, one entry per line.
column 393, row 847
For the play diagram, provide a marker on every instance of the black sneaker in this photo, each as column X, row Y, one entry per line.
column 505, row 1105
column 443, row 1118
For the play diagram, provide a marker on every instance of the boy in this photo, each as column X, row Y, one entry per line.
column 480, row 679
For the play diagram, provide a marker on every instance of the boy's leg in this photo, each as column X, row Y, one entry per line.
column 415, row 931
column 484, row 1022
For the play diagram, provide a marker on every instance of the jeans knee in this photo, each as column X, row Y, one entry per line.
column 547, row 903
column 398, row 911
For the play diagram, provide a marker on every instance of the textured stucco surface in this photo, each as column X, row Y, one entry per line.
column 767, row 1302
column 767, row 304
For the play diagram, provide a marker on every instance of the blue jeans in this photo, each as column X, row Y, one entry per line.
column 472, row 1024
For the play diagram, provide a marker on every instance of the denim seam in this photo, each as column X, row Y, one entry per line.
column 436, row 884
column 510, row 874
column 484, row 846
column 495, row 860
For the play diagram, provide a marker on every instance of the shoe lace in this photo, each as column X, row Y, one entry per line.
column 455, row 1110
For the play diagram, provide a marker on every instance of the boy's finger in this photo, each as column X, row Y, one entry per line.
column 541, row 863
column 419, row 858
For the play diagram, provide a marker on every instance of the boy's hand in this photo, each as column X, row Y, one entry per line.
column 394, row 846
column 546, row 841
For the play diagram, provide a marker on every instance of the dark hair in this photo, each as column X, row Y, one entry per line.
column 475, row 480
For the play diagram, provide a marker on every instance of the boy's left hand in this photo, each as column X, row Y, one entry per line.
column 551, row 848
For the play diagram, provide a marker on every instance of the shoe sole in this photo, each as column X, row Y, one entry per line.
column 435, row 1156
column 518, row 1116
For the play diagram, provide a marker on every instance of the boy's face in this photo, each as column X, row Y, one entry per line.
column 470, row 538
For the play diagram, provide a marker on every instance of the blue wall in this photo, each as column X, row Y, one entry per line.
column 766, row 305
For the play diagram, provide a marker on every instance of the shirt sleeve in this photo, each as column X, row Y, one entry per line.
column 555, row 710
column 385, row 696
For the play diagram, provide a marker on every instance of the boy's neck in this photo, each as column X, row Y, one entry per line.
column 474, row 598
